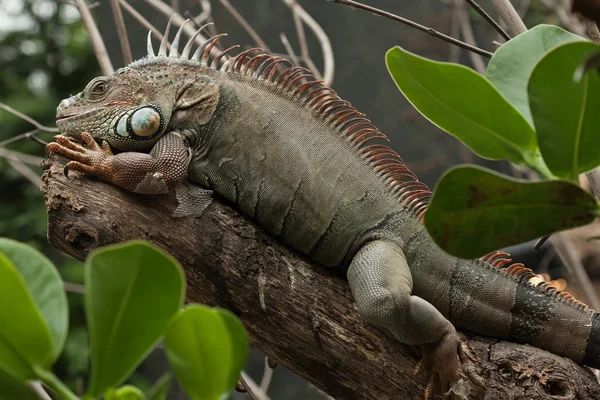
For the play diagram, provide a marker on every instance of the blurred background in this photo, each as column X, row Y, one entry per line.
column 46, row 55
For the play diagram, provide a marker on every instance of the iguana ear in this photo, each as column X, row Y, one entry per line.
column 196, row 102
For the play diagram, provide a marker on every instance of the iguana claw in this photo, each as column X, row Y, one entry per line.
column 92, row 160
column 442, row 359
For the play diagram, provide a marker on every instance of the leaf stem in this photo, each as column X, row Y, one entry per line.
column 537, row 162
column 63, row 392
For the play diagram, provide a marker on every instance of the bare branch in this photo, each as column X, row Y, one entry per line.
column 489, row 19
column 302, row 40
column 74, row 288
column 509, row 15
column 252, row 387
column 467, row 34
column 22, row 157
column 245, row 25
column 97, row 42
column 122, row 31
column 39, row 390
column 28, row 119
column 25, row 171
column 415, row 25
column 328, row 61
column 143, row 21
column 288, row 48
column 265, row 382
column 566, row 252
column 206, row 10
column 178, row 20
column 592, row 29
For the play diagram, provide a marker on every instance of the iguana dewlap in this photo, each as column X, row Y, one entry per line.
column 305, row 165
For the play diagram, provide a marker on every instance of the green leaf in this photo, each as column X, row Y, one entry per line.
column 565, row 111
column 475, row 211
column 12, row 388
column 159, row 390
column 132, row 290
column 511, row 65
column 207, row 349
column 45, row 286
column 126, row 392
column 25, row 340
column 466, row 105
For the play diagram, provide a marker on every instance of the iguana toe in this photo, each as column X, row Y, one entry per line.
column 92, row 160
column 441, row 360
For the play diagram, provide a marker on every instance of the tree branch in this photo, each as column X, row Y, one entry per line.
column 294, row 311
column 510, row 16
column 415, row 25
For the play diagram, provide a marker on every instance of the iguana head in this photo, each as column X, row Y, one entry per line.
column 136, row 105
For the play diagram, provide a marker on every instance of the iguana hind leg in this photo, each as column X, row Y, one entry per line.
column 381, row 283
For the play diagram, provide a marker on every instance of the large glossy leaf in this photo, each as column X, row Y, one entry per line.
column 566, row 111
column 132, row 290
column 511, row 65
column 12, row 388
column 25, row 340
column 475, row 211
column 466, row 105
column 207, row 349
column 45, row 286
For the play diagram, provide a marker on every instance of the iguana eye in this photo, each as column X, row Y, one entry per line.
column 97, row 89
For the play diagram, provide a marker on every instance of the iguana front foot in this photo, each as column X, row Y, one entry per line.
column 441, row 360
column 92, row 160
column 157, row 172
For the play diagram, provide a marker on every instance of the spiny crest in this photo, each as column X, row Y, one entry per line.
column 502, row 261
column 300, row 83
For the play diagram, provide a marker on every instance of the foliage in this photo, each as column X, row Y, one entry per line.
column 133, row 294
column 535, row 107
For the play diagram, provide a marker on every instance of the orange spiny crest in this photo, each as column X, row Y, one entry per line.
column 299, row 82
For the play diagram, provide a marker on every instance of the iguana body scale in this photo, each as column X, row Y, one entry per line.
column 306, row 166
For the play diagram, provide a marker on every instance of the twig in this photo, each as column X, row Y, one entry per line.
column 22, row 157
column 247, row 388
column 143, row 21
column 97, row 42
column 489, row 19
column 267, row 376
column 245, row 25
column 74, row 288
column 27, row 173
column 454, row 51
column 566, row 252
column 39, row 390
column 592, row 29
column 251, row 386
column 523, row 8
column 122, row 31
column 205, row 14
column 178, row 20
column 415, row 25
column 328, row 61
column 467, row 34
column 28, row 119
column 514, row 23
column 302, row 40
column 288, row 48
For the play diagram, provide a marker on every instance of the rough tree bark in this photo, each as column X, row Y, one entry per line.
column 295, row 312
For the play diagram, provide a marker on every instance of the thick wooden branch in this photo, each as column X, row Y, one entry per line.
column 295, row 312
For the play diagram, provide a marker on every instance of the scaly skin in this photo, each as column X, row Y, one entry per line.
column 305, row 169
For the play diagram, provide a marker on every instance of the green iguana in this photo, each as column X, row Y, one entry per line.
column 305, row 165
